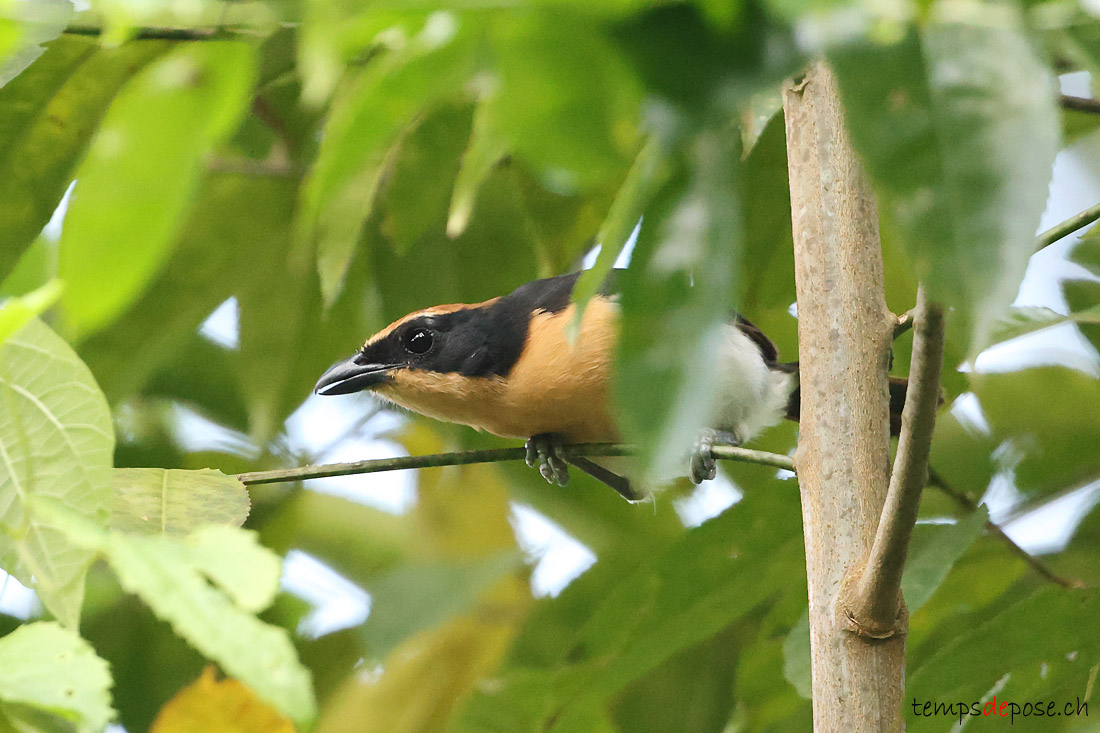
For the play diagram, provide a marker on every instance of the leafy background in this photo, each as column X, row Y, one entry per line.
column 255, row 195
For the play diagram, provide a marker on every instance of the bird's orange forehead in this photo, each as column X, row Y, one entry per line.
column 435, row 310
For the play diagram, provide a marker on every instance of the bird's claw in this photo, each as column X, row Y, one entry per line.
column 703, row 465
column 544, row 452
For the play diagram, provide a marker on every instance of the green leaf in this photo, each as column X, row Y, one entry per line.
column 52, row 669
column 195, row 378
column 219, row 252
column 338, row 228
column 469, row 269
column 977, row 588
column 518, row 701
column 169, row 576
column 1087, row 252
column 1078, row 561
column 336, row 35
column 56, row 440
column 174, row 501
column 680, row 696
column 420, row 184
column 1052, row 416
column 16, row 312
column 958, row 128
column 930, row 564
column 236, row 561
column 963, row 453
column 50, row 112
column 796, row 656
column 758, row 113
column 326, row 526
column 362, row 129
column 564, row 94
column 763, row 696
column 417, row 597
column 718, row 572
column 675, row 299
column 1022, row 320
column 485, row 149
column 646, row 176
column 38, row 23
column 1034, row 637
column 637, row 610
column 141, row 173
column 768, row 258
column 9, row 29
column 591, row 718
column 275, row 323
column 35, row 268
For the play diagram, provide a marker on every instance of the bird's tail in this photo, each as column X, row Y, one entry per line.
column 898, row 386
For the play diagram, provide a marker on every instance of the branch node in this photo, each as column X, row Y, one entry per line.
column 856, row 615
column 903, row 323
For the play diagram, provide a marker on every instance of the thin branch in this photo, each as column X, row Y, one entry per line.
column 1067, row 227
column 269, row 115
column 163, row 34
column 874, row 607
column 747, row 455
column 726, row 452
column 1080, row 104
column 964, row 501
column 1039, row 502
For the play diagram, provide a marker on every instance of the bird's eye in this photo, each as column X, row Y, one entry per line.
column 419, row 341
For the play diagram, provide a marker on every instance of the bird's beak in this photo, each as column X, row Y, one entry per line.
column 352, row 375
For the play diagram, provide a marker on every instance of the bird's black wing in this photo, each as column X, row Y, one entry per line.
column 767, row 348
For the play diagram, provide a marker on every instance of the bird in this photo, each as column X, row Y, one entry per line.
column 508, row 366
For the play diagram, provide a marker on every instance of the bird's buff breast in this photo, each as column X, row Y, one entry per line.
column 554, row 387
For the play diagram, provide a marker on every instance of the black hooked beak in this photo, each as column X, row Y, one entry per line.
column 352, row 375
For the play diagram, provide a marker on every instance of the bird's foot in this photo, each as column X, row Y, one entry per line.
column 544, row 451
column 703, row 465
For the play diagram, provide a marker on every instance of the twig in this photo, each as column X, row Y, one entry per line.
column 266, row 113
column 873, row 605
column 726, row 452
column 747, row 455
column 1080, row 104
column 1035, row 504
column 162, row 34
column 964, row 501
column 1067, row 227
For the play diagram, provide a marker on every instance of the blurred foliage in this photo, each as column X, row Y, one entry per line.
column 219, row 706
column 313, row 169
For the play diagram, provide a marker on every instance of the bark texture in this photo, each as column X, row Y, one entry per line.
column 843, row 460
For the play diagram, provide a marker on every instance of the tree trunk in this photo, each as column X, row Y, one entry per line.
column 843, row 460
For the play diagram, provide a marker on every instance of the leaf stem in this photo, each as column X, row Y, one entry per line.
column 461, row 458
column 1067, row 227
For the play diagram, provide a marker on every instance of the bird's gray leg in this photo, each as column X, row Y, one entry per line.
column 544, row 451
column 703, row 466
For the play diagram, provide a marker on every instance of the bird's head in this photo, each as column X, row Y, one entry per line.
column 460, row 340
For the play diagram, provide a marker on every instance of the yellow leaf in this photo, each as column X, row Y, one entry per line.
column 426, row 679
column 210, row 706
